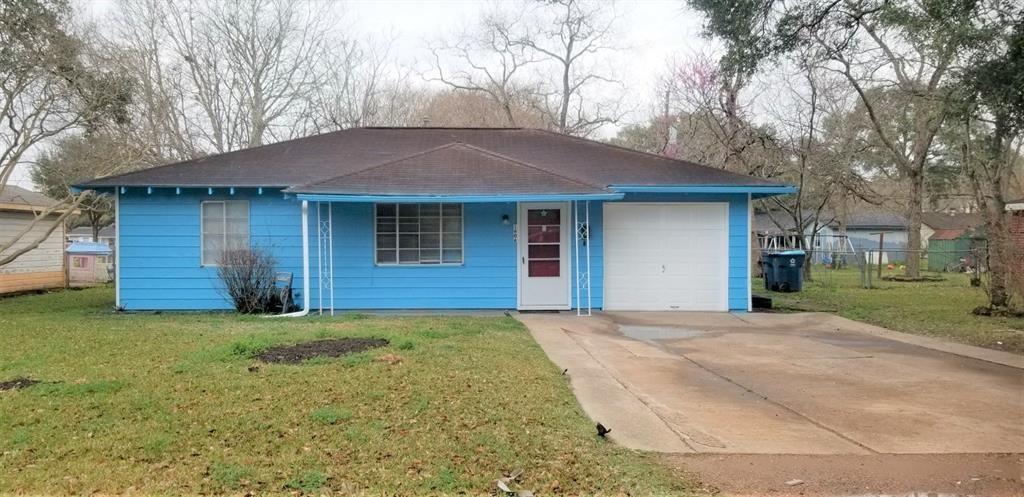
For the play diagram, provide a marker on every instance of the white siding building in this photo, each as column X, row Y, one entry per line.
column 42, row 267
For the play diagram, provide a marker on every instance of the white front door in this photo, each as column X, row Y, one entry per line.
column 543, row 229
column 666, row 257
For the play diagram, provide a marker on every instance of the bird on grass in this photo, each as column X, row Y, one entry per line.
column 602, row 431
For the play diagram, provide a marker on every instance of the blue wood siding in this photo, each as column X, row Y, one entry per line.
column 160, row 253
column 160, row 246
column 485, row 280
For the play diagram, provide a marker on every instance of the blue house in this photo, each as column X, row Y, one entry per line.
column 442, row 218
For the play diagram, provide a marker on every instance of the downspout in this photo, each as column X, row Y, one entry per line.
column 305, row 266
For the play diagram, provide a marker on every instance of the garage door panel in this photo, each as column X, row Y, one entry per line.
column 666, row 256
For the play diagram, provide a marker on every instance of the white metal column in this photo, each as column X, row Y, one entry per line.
column 325, row 255
column 582, row 268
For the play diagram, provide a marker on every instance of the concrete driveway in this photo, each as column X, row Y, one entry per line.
column 784, row 384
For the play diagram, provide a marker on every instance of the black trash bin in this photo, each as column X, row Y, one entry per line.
column 783, row 271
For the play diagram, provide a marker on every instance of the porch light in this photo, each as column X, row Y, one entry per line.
column 505, row 220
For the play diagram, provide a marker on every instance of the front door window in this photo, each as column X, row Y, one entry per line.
column 543, row 242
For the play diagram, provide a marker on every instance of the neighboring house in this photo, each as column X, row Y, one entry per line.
column 781, row 225
column 42, row 267
column 946, row 221
column 88, row 263
column 863, row 229
column 954, row 249
column 84, row 234
column 442, row 218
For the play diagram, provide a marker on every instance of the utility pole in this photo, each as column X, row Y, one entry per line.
column 881, row 249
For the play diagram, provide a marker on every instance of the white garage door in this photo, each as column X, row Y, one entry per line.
column 665, row 257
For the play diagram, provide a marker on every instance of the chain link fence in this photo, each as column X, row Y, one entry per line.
column 872, row 268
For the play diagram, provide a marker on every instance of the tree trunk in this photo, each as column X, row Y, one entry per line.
column 998, row 260
column 915, row 204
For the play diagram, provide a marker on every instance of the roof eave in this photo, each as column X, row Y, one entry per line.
column 457, row 198
column 756, row 191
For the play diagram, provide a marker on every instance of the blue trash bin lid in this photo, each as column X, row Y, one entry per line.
column 792, row 252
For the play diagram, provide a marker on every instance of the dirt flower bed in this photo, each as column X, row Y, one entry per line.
column 17, row 383
column 335, row 347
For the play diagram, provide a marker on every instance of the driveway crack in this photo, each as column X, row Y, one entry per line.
column 683, row 437
column 779, row 404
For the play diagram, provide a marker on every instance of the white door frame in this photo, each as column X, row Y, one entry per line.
column 564, row 253
column 725, row 276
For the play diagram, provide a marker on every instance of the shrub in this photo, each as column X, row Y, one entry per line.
column 248, row 278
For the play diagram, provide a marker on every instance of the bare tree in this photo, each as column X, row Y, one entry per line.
column 816, row 162
column 461, row 108
column 716, row 121
column 361, row 87
column 47, row 88
column 75, row 159
column 488, row 60
column 571, row 35
column 218, row 76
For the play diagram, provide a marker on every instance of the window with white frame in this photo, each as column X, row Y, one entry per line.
column 418, row 234
column 225, row 226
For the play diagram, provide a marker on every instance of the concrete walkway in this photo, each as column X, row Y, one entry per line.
column 783, row 384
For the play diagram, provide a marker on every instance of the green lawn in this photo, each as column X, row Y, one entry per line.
column 940, row 309
column 152, row 403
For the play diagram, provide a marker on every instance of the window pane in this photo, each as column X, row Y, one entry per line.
column 213, row 210
column 408, row 227
column 409, row 256
column 430, row 210
column 452, row 209
column 543, row 251
column 386, row 241
column 430, row 241
column 453, row 240
column 408, row 241
column 386, row 210
column 430, row 256
column 386, row 225
column 386, row 256
column 237, row 227
column 543, row 234
column 411, row 210
column 236, row 242
column 543, row 216
column 543, row 269
column 430, row 225
column 452, row 256
column 452, row 225
column 213, row 226
column 237, row 209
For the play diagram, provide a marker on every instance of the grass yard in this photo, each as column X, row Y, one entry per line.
column 151, row 403
column 940, row 309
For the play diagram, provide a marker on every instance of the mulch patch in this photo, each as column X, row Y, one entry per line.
column 335, row 347
column 17, row 383
column 907, row 279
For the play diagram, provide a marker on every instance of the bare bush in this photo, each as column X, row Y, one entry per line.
column 248, row 277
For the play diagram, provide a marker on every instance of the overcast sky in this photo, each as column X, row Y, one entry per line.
column 655, row 31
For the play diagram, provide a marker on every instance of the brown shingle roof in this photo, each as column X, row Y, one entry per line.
column 468, row 170
column 942, row 221
column 947, row 234
column 327, row 158
column 16, row 196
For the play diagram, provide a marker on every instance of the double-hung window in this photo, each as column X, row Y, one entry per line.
column 418, row 234
column 225, row 226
